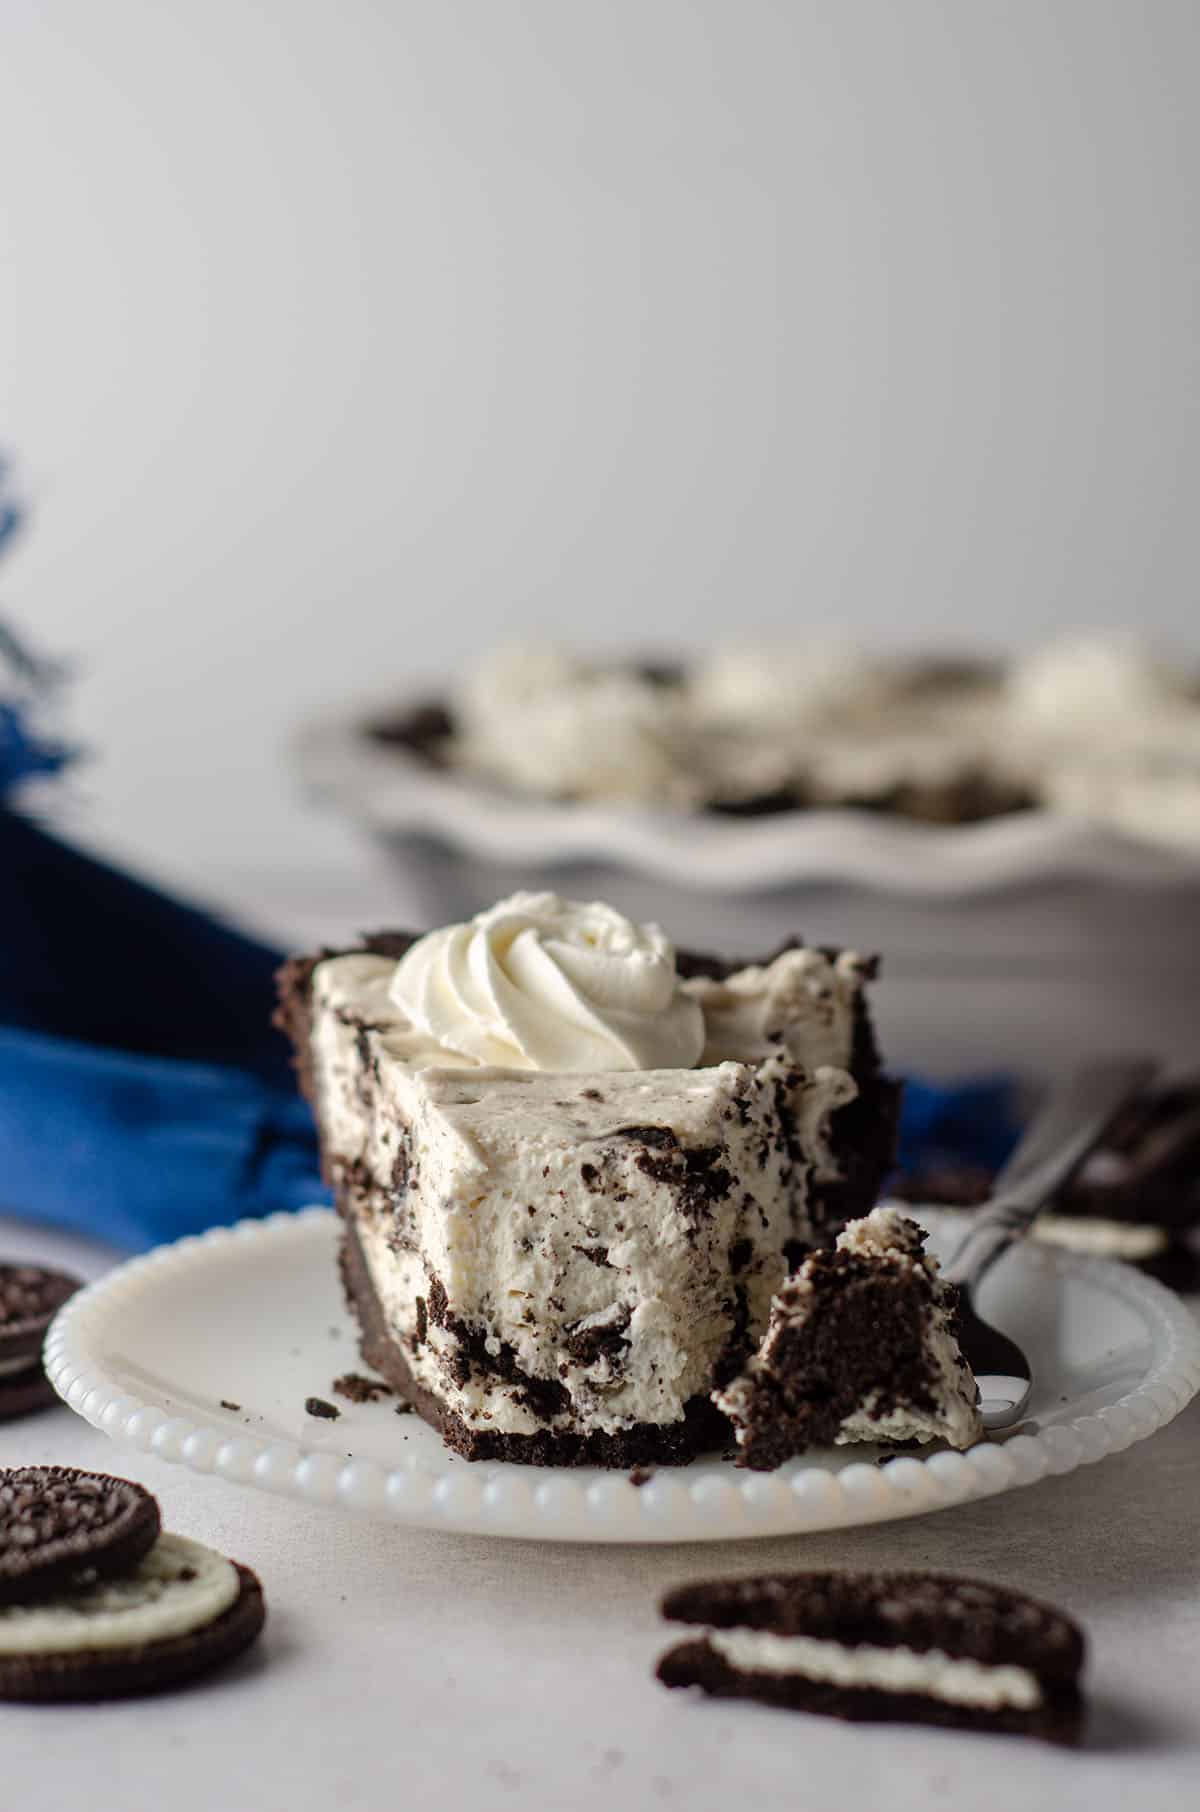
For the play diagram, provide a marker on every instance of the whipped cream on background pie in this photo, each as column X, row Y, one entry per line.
column 1093, row 725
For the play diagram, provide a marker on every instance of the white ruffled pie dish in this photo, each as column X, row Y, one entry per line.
column 400, row 796
column 1010, row 944
column 252, row 1315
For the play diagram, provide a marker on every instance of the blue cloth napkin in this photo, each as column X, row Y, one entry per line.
column 136, row 1149
column 972, row 1124
column 143, row 1093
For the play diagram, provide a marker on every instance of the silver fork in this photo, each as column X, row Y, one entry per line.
column 1070, row 1123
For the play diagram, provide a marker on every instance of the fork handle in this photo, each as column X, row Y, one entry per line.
column 1066, row 1128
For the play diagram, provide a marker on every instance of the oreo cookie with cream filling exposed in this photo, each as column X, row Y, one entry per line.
column 1136, row 1197
column 58, row 1525
column 180, row 1611
column 30, row 1297
column 883, row 1647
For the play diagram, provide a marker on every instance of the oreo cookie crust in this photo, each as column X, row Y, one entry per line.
column 883, row 1647
column 57, row 1524
column 181, row 1612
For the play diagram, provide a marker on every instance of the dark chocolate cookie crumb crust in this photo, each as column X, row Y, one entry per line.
column 57, row 1522
column 151, row 1667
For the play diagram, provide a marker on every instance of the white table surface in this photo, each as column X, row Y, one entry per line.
column 402, row 1669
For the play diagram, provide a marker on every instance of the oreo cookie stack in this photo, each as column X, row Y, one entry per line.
column 97, row 1602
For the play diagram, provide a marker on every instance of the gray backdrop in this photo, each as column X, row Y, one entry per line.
column 337, row 337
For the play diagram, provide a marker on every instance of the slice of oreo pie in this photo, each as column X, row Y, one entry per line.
column 30, row 1297
column 911, row 1647
column 58, row 1525
column 182, row 1610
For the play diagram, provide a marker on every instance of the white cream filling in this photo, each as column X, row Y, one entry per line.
column 156, row 1602
column 1097, row 1237
column 885, row 1232
column 620, row 1254
column 1131, row 1240
column 804, row 1002
column 931, row 1672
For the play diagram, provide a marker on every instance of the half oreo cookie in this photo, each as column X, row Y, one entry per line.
column 912, row 1647
column 58, row 1525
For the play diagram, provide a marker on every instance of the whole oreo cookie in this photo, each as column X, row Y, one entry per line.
column 182, row 1610
column 30, row 1297
column 58, row 1525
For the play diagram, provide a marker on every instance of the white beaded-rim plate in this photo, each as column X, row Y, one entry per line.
column 396, row 794
column 204, row 1353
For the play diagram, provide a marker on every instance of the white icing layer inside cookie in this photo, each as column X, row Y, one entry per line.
column 953, row 1679
column 180, row 1586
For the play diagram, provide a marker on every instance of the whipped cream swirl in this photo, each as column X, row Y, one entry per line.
column 542, row 983
column 1098, row 686
column 546, row 722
